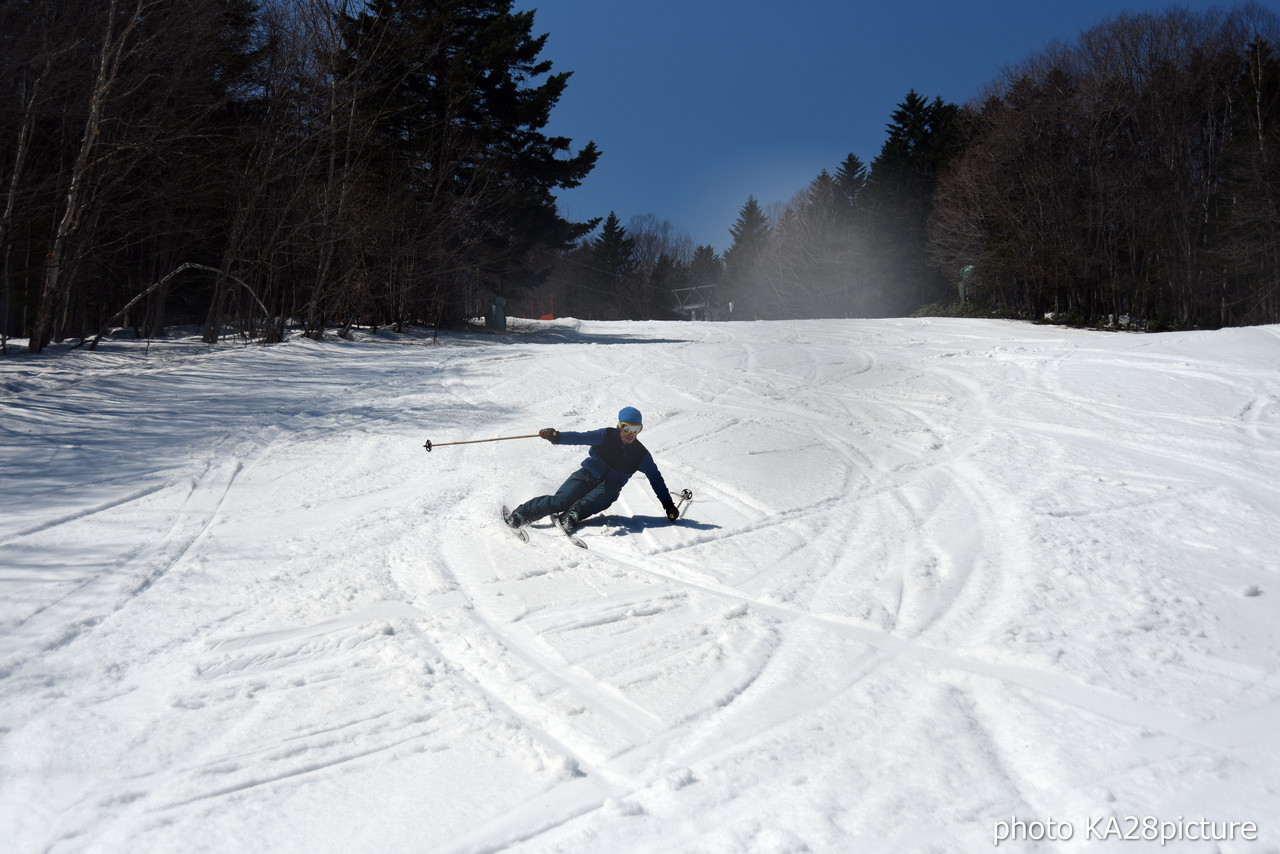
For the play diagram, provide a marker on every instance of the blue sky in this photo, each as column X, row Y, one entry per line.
column 697, row 104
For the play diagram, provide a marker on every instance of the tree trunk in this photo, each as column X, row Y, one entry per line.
column 54, row 290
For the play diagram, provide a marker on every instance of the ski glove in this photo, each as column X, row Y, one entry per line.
column 672, row 513
column 551, row 434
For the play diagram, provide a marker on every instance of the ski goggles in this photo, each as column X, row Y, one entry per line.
column 630, row 428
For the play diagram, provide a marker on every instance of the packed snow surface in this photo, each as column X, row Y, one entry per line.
column 938, row 577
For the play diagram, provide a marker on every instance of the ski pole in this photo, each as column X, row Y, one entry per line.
column 429, row 444
column 685, row 495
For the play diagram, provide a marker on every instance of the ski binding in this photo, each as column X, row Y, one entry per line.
column 506, row 523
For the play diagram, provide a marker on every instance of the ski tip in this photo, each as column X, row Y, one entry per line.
column 519, row 532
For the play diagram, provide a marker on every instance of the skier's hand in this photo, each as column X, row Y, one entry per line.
column 672, row 513
column 551, row 434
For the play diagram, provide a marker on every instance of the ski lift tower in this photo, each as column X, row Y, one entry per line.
column 697, row 302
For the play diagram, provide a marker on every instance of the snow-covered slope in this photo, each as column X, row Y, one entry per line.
column 938, row 578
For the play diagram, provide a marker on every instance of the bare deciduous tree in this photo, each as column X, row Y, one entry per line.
column 1125, row 175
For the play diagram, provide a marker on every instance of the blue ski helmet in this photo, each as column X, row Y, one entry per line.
column 630, row 415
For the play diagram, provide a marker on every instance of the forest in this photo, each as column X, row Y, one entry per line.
column 264, row 168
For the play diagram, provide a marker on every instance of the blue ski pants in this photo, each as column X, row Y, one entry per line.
column 583, row 492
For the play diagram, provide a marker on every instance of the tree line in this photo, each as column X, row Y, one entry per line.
column 1130, row 178
column 1134, row 173
column 316, row 164
column 813, row 257
column 250, row 166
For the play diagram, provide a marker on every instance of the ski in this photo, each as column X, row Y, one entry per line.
column 519, row 532
column 685, row 496
column 568, row 533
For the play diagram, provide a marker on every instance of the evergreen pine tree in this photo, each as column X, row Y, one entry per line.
column 451, row 88
column 851, row 179
column 750, row 231
column 706, row 267
column 666, row 275
column 898, row 197
column 815, row 254
column 824, row 199
column 744, row 259
column 614, row 251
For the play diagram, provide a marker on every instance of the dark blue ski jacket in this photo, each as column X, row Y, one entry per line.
column 612, row 460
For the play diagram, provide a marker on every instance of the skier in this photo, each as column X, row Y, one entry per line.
column 615, row 455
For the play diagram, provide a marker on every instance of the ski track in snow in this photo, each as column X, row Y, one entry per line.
column 936, row 574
